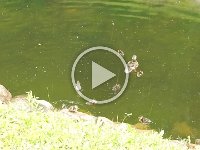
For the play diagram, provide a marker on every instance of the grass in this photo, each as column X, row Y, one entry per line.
column 53, row 130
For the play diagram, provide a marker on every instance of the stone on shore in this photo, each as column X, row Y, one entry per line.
column 20, row 103
column 197, row 141
column 77, row 115
column 46, row 106
column 5, row 95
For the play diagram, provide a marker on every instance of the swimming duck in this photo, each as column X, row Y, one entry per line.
column 120, row 52
column 132, row 66
column 139, row 73
column 116, row 88
column 73, row 108
column 144, row 120
column 78, row 86
column 134, row 58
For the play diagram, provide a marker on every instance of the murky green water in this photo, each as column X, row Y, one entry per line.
column 39, row 40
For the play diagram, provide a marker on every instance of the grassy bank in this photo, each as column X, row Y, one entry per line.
column 53, row 130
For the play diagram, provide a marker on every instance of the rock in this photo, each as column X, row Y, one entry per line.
column 1, row 101
column 123, row 127
column 77, row 115
column 197, row 141
column 20, row 103
column 5, row 95
column 19, row 97
column 100, row 121
column 46, row 106
column 177, row 144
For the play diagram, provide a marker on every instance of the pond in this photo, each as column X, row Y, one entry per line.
column 40, row 39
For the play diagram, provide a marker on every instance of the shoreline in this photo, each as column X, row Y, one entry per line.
column 27, row 106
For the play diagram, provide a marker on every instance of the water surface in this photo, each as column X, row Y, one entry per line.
column 39, row 40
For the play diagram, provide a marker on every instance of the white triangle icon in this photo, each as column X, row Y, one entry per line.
column 100, row 75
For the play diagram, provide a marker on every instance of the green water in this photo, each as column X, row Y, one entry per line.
column 40, row 39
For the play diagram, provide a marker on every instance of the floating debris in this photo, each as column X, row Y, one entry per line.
column 73, row 108
column 144, row 120
column 120, row 52
column 139, row 73
column 116, row 88
column 78, row 86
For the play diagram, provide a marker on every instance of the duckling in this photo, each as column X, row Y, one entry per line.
column 73, row 108
column 92, row 102
column 116, row 88
column 78, row 86
column 120, row 52
column 144, row 120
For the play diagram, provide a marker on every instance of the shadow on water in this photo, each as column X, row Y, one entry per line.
column 40, row 40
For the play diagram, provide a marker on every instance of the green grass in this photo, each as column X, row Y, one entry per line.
column 52, row 130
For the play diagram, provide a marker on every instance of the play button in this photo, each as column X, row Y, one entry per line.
column 100, row 75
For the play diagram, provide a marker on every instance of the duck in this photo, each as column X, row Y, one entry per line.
column 78, row 86
column 144, row 120
column 73, row 108
column 134, row 58
column 116, row 88
column 132, row 66
column 140, row 73
column 120, row 52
